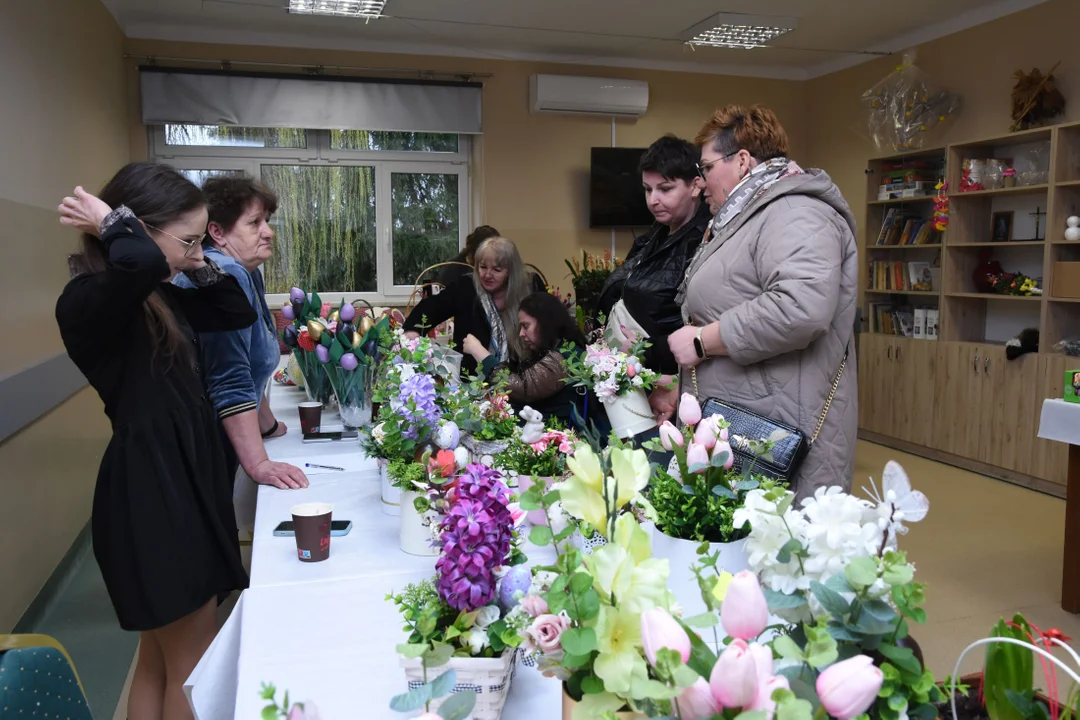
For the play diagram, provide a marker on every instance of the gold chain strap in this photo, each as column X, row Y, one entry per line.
column 828, row 400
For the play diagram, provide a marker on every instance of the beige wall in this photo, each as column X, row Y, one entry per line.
column 978, row 64
column 534, row 173
column 65, row 123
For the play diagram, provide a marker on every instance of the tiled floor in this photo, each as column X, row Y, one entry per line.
column 986, row 550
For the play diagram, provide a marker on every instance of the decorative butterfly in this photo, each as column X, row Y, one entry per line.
column 910, row 505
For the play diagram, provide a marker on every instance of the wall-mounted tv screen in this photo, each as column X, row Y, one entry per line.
column 616, row 199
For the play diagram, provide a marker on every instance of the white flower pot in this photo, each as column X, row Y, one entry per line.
column 681, row 554
column 416, row 529
column 489, row 678
column 630, row 414
column 391, row 496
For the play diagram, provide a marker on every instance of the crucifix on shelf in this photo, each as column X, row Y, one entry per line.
column 1038, row 215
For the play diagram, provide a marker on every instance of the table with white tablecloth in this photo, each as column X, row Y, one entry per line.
column 1060, row 422
column 325, row 631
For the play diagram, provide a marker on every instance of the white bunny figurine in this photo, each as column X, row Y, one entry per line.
column 534, row 426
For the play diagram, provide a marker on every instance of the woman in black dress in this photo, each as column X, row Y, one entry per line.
column 163, row 525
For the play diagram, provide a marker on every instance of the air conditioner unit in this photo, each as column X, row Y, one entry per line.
column 568, row 94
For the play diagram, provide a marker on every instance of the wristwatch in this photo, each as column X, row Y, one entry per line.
column 699, row 344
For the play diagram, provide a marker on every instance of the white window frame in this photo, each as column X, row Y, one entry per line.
column 319, row 153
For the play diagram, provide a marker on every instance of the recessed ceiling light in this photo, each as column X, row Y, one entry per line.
column 341, row 8
column 735, row 30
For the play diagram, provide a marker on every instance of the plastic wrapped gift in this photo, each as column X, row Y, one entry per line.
column 903, row 107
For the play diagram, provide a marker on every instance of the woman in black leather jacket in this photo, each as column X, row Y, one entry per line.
column 639, row 297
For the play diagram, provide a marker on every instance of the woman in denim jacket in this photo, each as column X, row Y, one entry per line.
column 238, row 364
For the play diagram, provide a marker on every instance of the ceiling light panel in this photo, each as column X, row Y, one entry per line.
column 339, row 8
column 735, row 30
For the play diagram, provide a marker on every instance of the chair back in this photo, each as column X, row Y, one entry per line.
column 38, row 679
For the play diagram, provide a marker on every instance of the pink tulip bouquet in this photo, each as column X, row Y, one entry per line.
column 609, row 372
column 696, row 497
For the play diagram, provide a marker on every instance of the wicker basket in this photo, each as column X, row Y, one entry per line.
column 489, row 678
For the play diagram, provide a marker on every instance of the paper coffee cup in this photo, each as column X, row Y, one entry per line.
column 310, row 417
column 311, row 521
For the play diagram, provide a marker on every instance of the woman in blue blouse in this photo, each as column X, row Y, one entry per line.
column 238, row 364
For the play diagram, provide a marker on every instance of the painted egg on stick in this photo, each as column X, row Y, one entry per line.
column 348, row 312
column 365, row 325
column 290, row 336
column 315, row 330
column 323, row 353
column 296, row 295
column 349, row 362
column 288, row 313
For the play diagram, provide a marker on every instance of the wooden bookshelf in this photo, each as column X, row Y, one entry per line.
column 959, row 399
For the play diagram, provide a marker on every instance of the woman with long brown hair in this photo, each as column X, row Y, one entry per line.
column 163, row 525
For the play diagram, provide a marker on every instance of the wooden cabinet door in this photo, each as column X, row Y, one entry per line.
column 1007, row 412
column 957, row 397
column 876, row 382
column 1049, row 460
column 867, row 348
column 915, row 390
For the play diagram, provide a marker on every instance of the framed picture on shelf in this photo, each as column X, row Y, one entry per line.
column 1001, row 226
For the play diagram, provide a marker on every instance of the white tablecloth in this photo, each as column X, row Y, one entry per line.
column 324, row 631
column 1060, row 421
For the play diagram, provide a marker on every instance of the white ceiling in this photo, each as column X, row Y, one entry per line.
column 831, row 34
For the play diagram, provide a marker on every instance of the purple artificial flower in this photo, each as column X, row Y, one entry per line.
column 477, row 534
column 417, row 397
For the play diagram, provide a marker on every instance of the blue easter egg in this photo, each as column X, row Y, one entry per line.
column 519, row 578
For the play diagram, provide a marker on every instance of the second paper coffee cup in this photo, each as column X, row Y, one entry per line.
column 312, row 524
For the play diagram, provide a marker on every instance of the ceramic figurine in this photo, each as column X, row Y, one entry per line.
column 1072, row 233
column 534, row 426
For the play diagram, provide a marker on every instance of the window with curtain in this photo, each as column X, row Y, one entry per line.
column 361, row 213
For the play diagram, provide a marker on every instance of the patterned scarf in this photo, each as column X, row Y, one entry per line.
column 498, row 346
column 749, row 189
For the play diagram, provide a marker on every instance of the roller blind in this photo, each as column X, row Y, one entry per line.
column 203, row 97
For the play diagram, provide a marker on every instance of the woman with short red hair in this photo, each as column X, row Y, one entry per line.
column 769, row 300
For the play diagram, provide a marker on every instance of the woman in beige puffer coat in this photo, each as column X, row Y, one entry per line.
column 769, row 301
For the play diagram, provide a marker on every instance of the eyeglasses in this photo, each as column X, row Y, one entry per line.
column 189, row 244
column 704, row 170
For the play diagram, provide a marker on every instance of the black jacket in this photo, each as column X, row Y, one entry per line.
column 460, row 302
column 649, row 280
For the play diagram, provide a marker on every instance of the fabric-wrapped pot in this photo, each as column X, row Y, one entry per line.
column 535, row 517
column 681, row 554
column 630, row 414
column 489, row 678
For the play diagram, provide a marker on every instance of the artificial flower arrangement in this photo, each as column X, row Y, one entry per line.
column 1014, row 284
column 832, row 570
column 304, row 309
column 350, row 345
column 467, row 612
column 544, row 457
column 619, row 381
column 586, row 611
column 481, row 410
column 1005, row 690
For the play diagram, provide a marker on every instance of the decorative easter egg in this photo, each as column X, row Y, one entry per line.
column 357, row 338
column 461, row 457
column 370, row 348
column 296, row 295
column 323, row 353
column 365, row 325
column 348, row 330
column 348, row 312
column 289, row 335
column 315, row 330
column 298, row 307
column 288, row 313
column 448, row 436
column 518, row 578
column 349, row 362
column 334, row 317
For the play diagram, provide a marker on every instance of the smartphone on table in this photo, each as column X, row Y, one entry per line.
column 337, row 528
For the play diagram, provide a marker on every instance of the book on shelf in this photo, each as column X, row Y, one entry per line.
column 901, row 320
column 900, row 229
column 901, row 276
column 931, row 323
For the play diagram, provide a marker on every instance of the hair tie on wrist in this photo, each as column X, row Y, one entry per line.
column 272, row 430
